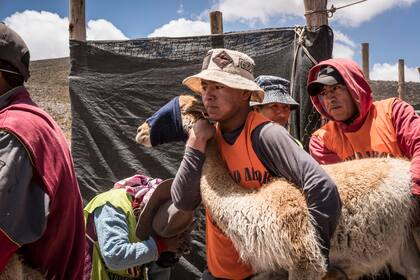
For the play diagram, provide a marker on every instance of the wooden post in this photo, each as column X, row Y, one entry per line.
column 216, row 22
column 401, row 79
column 314, row 20
column 77, row 24
column 365, row 59
column 216, row 28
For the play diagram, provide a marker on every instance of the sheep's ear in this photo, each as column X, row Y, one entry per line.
column 143, row 135
column 190, row 104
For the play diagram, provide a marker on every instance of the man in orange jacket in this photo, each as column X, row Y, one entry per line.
column 358, row 127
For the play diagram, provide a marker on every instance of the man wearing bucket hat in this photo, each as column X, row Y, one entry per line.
column 277, row 103
column 246, row 140
column 41, row 213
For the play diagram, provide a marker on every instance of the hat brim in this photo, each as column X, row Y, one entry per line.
column 228, row 79
column 161, row 195
column 315, row 86
column 278, row 98
column 169, row 221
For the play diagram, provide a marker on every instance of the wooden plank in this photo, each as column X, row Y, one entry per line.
column 365, row 59
column 314, row 20
column 77, row 23
column 216, row 22
column 401, row 79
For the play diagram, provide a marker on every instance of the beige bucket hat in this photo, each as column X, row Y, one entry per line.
column 231, row 68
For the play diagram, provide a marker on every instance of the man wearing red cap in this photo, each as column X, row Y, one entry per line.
column 358, row 127
column 41, row 214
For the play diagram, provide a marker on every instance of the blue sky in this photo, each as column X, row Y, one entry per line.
column 389, row 26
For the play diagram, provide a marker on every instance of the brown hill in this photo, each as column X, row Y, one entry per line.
column 49, row 88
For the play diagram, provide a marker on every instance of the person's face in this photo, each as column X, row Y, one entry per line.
column 276, row 112
column 222, row 102
column 338, row 102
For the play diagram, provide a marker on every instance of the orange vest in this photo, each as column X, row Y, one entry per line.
column 376, row 138
column 247, row 170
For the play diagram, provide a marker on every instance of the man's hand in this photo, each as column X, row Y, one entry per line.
column 172, row 244
column 200, row 133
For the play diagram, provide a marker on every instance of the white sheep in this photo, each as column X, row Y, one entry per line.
column 271, row 227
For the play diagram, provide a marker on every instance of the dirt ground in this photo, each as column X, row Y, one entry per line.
column 49, row 88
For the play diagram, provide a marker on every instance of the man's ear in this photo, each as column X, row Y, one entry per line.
column 245, row 95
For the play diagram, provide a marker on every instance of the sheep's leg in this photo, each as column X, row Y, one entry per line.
column 305, row 274
column 408, row 263
column 303, row 270
column 335, row 273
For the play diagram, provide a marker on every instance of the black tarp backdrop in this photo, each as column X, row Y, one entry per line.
column 116, row 85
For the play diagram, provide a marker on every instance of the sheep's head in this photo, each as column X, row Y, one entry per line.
column 172, row 122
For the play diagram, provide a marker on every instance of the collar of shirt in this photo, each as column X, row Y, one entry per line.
column 5, row 98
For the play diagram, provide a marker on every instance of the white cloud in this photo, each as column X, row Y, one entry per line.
column 341, row 50
column 103, row 30
column 255, row 10
column 47, row 36
column 341, row 37
column 182, row 27
column 359, row 13
column 386, row 71
column 343, row 45
column 180, row 9
column 45, row 33
column 251, row 11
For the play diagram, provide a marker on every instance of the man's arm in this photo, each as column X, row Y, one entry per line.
column 320, row 153
column 283, row 158
column 407, row 127
column 23, row 203
column 185, row 189
column 116, row 249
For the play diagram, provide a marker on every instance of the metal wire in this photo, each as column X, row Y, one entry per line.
column 333, row 9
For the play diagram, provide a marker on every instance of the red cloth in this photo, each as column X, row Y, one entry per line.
column 404, row 119
column 160, row 244
column 60, row 250
column 407, row 127
column 7, row 248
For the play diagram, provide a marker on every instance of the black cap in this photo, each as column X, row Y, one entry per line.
column 326, row 76
column 14, row 51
